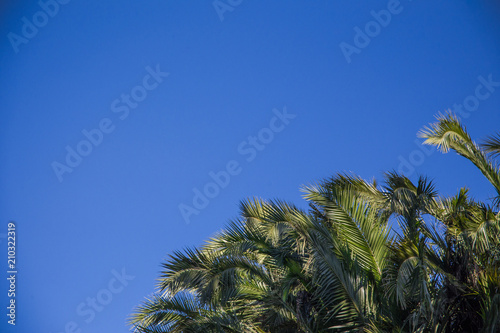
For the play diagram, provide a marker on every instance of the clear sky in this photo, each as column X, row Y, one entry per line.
column 130, row 129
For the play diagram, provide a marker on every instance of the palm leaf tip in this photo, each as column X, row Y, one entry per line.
column 492, row 145
column 445, row 132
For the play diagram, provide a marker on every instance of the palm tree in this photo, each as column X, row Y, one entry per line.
column 340, row 267
column 470, row 248
column 279, row 269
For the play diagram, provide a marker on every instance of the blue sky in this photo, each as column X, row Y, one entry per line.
column 261, row 94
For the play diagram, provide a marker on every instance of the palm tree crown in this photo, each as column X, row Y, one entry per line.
column 339, row 266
